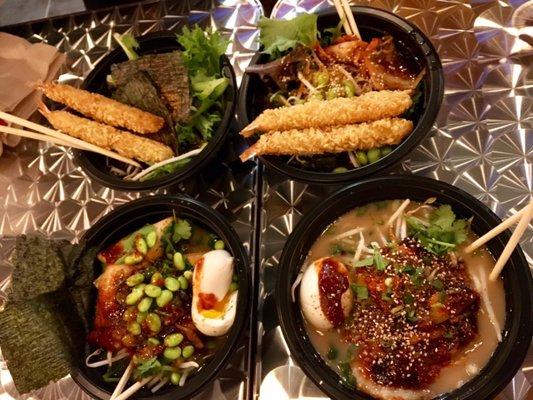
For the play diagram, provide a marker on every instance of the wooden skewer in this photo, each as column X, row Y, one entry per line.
column 344, row 20
column 515, row 237
column 496, row 231
column 36, row 136
column 74, row 142
column 351, row 19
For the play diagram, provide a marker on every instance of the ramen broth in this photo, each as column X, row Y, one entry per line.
column 464, row 365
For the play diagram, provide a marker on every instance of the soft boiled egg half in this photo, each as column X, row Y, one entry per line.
column 325, row 295
column 213, row 303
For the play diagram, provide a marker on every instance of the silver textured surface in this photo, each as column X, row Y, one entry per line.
column 41, row 189
column 482, row 142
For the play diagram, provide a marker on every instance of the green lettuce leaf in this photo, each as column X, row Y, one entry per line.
column 128, row 44
column 279, row 36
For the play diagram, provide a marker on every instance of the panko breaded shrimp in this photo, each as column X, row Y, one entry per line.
column 337, row 139
column 370, row 106
column 103, row 109
column 124, row 143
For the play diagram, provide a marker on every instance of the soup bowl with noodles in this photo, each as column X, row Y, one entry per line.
column 378, row 296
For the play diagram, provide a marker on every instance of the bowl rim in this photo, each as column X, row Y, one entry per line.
column 82, row 158
column 150, row 208
column 509, row 354
column 420, row 132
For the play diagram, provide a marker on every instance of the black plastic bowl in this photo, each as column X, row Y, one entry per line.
column 509, row 354
column 132, row 216
column 371, row 22
column 95, row 165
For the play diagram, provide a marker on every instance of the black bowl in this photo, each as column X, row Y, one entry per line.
column 411, row 42
column 126, row 219
column 518, row 285
column 94, row 164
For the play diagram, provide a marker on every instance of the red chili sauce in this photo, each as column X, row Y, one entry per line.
column 332, row 284
column 420, row 311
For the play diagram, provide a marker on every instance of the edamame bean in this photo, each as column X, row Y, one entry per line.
column 175, row 378
column 219, row 245
column 385, row 150
column 340, row 169
column 234, row 286
column 171, row 353
column 316, row 95
column 187, row 351
column 373, row 155
column 362, row 159
column 128, row 340
column 179, row 262
column 140, row 245
column 134, row 328
column 144, row 304
column 135, row 279
column 188, row 275
column 184, row 283
column 154, row 322
column 321, row 78
column 172, row 283
column 133, row 297
column 129, row 314
column 349, row 89
column 141, row 316
column 151, row 238
column 134, row 258
column 152, row 290
column 164, row 298
column 153, row 341
column 173, row 339
column 157, row 279
column 331, row 94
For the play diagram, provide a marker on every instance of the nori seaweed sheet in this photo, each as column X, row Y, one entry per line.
column 45, row 320
column 169, row 75
column 38, row 340
column 139, row 91
column 38, row 268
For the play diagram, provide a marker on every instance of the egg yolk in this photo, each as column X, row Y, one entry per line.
column 210, row 307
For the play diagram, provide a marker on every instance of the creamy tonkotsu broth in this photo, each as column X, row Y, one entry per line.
column 417, row 303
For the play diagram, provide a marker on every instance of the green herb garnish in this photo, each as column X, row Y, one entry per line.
column 379, row 261
column 408, row 298
column 366, row 262
column 437, row 284
column 128, row 44
column 444, row 232
column 361, row 291
column 332, row 353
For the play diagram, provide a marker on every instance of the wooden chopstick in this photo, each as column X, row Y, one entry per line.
column 351, row 19
column 37, row 136
column 496, row 231
column 74, row 142
column 513, row 242
column 344, row 19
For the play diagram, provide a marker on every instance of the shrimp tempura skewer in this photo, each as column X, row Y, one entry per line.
column 336, row 139
column 124, row 143
column 368, row 107
column 103, row 109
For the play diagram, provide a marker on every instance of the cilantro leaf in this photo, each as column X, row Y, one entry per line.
column 182, row 230
column 278, row 36
column 361, row 291
column 380, row 262
column 366, row 262
column 128, row 44
column 165, row 169
column 149, row 367
column 443, row 233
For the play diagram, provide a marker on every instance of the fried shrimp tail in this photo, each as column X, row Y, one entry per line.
column 337, row 139
column 370, row 106
column 124, row 143
column 103, row 109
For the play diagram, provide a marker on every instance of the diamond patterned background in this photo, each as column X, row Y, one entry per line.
column 41, row 189
column 481, row 142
